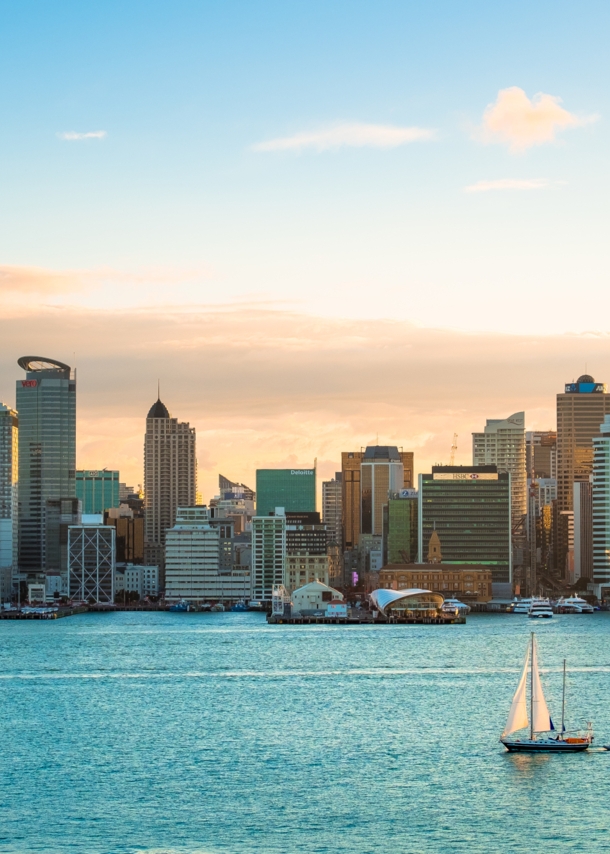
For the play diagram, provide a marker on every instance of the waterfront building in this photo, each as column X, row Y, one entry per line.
column 332, row 512
column 502, row 444
column 91, row 562
column 601, row 510
column 583, row 531
column 46, row 403
column 193, row 569
column 400, row 544
column 137, row 578
column 469, row 583
column 306, row 550
column 268, row 554
column 9, row 504
column 470, row 508
column 580, row 410
column 541, row 454
column 170, row 478
column 314, row 597
column 98, row 490
column 129, row 533
column 292, row 489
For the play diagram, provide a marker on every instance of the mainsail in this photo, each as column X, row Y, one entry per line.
column 541, row 720
column 517, row 717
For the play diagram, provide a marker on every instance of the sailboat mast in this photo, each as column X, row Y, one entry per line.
column 532, row 691
column 563, row 699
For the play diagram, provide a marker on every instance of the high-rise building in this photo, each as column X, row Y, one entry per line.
column 230, row 490
column 46, row 403
column 91, row 562
column 292, row 489
column 541, row 454
column 129, row 533
column 583, row 530
column 170, row 478
column 332, row 513
column 601, row 510
column 469, row 507
column 268, row 554
column 580, row 410
column 9, row 507
column 502, row 444
column 368, row 476
column 98, row 490
column 306, row 550
column 400, row 543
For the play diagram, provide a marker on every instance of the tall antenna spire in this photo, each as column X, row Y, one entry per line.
column 158, row 389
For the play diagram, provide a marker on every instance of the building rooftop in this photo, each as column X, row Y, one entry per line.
column 158, row 410
column 381, row 453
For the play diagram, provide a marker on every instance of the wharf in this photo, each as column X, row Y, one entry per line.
column 42, row 615
column 364, row 620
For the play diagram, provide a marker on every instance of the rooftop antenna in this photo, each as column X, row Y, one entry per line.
column 158, row 389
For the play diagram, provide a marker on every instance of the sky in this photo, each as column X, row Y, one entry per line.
column 319, row 224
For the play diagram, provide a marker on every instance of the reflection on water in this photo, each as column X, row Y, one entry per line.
column 216, row 734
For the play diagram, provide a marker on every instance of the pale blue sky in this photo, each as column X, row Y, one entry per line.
column 175, row 193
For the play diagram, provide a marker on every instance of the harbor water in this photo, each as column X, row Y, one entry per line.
column 200, row 733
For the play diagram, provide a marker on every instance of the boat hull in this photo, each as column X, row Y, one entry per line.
column 546, row 746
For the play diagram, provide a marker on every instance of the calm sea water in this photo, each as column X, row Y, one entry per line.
column 216, row 733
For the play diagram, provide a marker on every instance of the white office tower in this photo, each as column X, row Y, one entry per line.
column 194, row 568
column 332, row 508
column 268, row 554
column 503, row 444
column 601, row 510
column 8, row 500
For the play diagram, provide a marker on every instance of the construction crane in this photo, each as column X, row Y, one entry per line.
column 453, row 450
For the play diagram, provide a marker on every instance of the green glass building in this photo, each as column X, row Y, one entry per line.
column 292, row 489
column 98, row 490
column 400, row 528
column 470, row 509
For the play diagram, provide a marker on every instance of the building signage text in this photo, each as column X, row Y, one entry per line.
column 464, row 476
column 301, row 471
column 29, row 383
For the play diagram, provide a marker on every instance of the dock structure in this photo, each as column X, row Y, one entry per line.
column 366, row 618
column 42, row 613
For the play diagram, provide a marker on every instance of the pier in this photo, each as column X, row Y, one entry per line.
column 367, row 619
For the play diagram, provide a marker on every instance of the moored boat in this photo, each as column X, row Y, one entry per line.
column 573, row 605
column 182, row 605
column 454, row 606
column 539, row 720
column 522, row 606
column 239, row 606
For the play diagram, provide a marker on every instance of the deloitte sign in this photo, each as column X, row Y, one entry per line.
column 302, row 471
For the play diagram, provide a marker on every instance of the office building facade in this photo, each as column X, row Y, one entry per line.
column 541, row 454
column 91, row 563
column 9, row 506
column 170, row 478
column 601, row 510
column 502, row 443
column 400, row 532
column 46, row 403
column 580, row 410
column 307, row 557
column 292, row 489
column 470, row 508
column 332, row 508
column 98, row 490
column 268, row 555
column 583, row 531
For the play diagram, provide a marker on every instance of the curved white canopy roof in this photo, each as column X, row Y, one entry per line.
column 383, row 599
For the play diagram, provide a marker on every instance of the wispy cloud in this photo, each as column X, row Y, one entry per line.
column 354, row 135
column 72, row 135
column 508, row 184
column 515, row 120
column 37, row 280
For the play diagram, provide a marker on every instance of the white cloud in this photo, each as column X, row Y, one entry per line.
column 517, row 121
column 508, row 184
column 92, row 134
column 355, row 135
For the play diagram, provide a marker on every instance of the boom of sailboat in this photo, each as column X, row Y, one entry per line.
column 542, row 733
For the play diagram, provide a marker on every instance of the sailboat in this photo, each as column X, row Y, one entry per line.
column 539, row 720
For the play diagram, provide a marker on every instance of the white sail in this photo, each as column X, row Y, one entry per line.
column 541, row 720
column 517, row 717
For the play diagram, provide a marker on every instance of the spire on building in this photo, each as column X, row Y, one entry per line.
column 434, row 548
column 158, row 410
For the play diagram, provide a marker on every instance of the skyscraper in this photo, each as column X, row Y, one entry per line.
column 268, row 555
column 46, row 403
column 8, row 498
column 170, row 478
column 469, row 507
column 292, row 489
column 601, row 510
column 98, row 490
column 580, row 410
column 331, row 507
column 368, row 476
column 503, row 444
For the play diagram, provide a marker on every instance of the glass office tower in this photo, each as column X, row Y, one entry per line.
column 97, row 490
column 292, row 489
column 46, row 403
